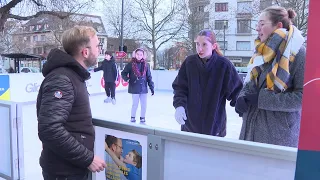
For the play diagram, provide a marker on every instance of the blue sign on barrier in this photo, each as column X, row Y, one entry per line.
column 4, row 87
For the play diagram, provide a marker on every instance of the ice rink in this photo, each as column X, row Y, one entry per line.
column 160, row 113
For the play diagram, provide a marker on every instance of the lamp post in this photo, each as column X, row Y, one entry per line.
column 121, row 41
column 224, row 37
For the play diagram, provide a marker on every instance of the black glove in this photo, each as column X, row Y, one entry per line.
column 152, row 92
column 241, row 106
column 252, row 96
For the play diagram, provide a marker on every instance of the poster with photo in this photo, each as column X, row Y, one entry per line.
column 123, row 158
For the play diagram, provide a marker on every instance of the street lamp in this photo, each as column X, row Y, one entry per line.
column 224, row 37
column 121, row 41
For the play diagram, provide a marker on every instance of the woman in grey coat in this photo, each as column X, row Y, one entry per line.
column 271, row 99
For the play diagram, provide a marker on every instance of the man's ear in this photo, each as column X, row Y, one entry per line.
column 85, row 52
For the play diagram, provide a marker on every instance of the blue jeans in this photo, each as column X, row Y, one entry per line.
column 47, row 176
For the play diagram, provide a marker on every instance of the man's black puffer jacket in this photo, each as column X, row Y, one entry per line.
column 64, row 117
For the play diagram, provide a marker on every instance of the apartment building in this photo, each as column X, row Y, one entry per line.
column 40, row 35
column 234, row 23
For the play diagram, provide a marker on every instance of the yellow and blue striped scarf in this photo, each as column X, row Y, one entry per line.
column 280, row 49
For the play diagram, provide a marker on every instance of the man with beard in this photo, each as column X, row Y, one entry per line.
column 63, row 109
column 115, row 145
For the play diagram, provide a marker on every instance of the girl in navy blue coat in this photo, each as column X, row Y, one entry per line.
column 204, row 82
column 138, row 74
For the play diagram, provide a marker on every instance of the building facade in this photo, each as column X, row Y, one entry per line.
column 39, row 35
column 113, row 45
column 234, row 22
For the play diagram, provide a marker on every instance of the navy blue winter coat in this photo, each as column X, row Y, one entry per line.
column 138, row 85
column 202, row 89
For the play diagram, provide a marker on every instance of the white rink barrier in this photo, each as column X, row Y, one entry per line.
column 172, row 155
column 25, row 87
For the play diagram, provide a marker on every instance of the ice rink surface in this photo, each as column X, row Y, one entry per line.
column 160, row 113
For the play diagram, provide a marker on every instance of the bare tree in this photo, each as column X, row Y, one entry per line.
column 112, row 12
column 158, row 22
column 301, row 7
column 6, row 42
column 28, row 9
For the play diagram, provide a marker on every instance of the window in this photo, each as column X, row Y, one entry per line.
column 244, row 7
column 220, row 7
column 219, row 24
column 38, row 27
column 46, row 26
column 243, row 45
column 35, row 38
column 43, row 37
column 221, row 45
column 201, row 8
column 99, row 29
column 31, row 28
column 39, row 49
column 198, row 9
column 101, row 40
column 244, row 26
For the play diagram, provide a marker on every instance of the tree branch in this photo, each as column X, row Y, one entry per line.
column 37, row 3
column 23, row 18
column 10, row 5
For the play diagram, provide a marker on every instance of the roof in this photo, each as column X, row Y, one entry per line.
column 54, row 22
column 114, row 43
column 21, row 56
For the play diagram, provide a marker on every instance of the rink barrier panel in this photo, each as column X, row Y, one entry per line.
column 24, row 87
column 179, row 152
column 15, row 140
column 169, row 152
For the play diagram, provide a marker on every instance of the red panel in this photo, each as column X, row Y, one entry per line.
column 310, row 122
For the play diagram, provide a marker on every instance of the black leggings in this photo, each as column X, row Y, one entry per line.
column 110, row 88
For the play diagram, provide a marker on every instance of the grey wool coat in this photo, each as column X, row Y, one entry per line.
column 276, row 119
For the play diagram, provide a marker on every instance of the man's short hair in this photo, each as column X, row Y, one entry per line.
column 76, row 38
column 111, row 140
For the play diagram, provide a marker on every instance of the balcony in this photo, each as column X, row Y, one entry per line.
column 244, row 15
column 199, row 17
column 195, row 3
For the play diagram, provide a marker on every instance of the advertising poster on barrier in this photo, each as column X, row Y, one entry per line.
column 125, row 154
column 123, row 158
column 4, row 87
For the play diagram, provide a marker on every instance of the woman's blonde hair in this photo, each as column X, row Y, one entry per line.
column 278, row 14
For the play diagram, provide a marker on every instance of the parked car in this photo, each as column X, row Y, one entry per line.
column 29, row 70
